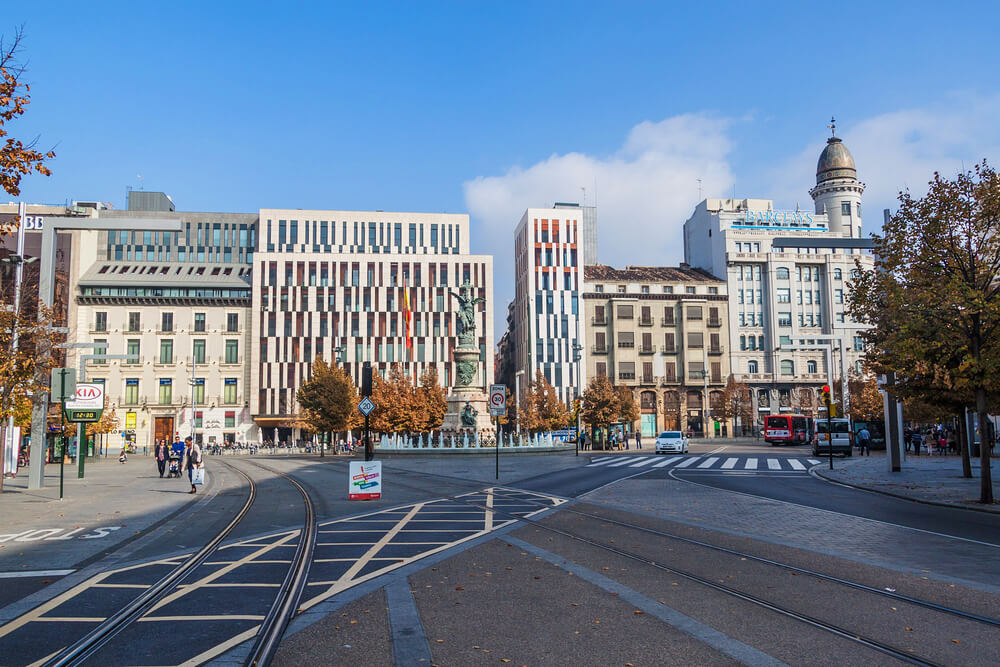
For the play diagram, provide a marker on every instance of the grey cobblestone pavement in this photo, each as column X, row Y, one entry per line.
column 848, row 537
column 927, row 478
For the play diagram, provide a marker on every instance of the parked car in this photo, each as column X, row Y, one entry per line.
column 842, row 439
column 671, row 442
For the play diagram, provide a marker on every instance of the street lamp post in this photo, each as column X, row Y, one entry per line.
column 577, row 349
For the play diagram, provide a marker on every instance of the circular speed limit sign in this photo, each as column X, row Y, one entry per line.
column 498, row 399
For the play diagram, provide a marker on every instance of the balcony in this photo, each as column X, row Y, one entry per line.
column 599, row 349
column 645, row 321
column 672, row 379
column 667, row 321
column 715, row 349
column 626, row 376
column 714, row 322
column 648, row 379
column 599, row 322
column 626, row 344
column 668, row 349
column 647, row 349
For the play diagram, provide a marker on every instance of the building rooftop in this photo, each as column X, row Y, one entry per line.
column 166, row 274
column 682, row 273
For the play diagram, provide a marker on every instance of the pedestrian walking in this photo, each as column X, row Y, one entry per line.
column 917, row 440
column 864, row 441
column 191, row 461
column 161, row 456
column 638, row 440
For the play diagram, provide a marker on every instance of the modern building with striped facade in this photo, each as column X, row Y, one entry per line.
column 330, row 284
column 550, row 247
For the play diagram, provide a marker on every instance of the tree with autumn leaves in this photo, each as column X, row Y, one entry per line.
column 540, row 409
column 932, row 302
column 736, row 404
column 604, row 404
column 329, row 399
column 405, row 408
column 17, row 159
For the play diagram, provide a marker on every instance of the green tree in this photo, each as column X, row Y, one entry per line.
column 17, row 159
column 933, row 303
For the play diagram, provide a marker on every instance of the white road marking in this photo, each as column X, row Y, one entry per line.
column 625, row 462
column 813, row 461
column 687, row 462
column 774, row 464
column 796, row 464
column 602, row 463
column 668, row 461
column 642, row 463
column 709, row 462
column 38, row 573
column 729, row 464
column 602, row 458
column 751, row 464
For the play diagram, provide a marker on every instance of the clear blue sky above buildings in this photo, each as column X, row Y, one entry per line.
column 492, row 108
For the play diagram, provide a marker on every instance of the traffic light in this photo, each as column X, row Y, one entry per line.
column 826, row 395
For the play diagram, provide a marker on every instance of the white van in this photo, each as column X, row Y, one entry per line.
column 841, row 442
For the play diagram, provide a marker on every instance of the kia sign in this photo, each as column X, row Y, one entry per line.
column 88, row 404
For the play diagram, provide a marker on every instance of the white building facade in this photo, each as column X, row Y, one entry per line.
column 331, row 284
column 551, row 245
column 788, row 274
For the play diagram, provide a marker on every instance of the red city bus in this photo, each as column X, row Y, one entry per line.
column 786, row 429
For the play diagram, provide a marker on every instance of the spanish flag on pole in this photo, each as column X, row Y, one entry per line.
column 407, row 315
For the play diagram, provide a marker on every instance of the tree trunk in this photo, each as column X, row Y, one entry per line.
column 985, row 475
column 963, row 444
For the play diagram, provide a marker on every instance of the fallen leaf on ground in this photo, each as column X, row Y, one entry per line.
column 638, row 612
column 459, row 588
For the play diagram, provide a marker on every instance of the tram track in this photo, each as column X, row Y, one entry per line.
column 268, row 634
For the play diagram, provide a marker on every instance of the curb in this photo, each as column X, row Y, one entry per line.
column 938, row 503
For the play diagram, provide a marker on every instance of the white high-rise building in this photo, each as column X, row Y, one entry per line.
column 550, row 247
column 788, row 274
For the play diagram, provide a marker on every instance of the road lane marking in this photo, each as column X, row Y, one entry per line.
column 202, row 658
column 602, row 463
column 751, row 464
column 625, row 462
column 642, row 463
column 774, row 464
column 729, row 464
column 35, row 573
column 709, row 462
column 796, row 464
column 668, row 461
column 813, row 461
column 687, row 462
column 601, row 458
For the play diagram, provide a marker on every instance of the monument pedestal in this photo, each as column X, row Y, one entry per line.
column 456, row 403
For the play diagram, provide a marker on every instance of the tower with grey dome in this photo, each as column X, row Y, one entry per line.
column 838, row 191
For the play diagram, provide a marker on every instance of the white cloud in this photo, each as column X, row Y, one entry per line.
column 902, row 149
column 645, row 192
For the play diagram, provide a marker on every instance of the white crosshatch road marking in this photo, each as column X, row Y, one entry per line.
column 748, row 465
column 707, row 463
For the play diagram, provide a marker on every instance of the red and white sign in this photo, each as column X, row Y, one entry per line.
column 88, row 397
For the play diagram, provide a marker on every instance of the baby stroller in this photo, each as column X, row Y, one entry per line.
column 174, row 467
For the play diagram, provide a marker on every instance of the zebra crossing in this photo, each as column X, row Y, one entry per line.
column 739, row 464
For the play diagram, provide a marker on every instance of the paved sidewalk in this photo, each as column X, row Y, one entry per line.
column 936, row 479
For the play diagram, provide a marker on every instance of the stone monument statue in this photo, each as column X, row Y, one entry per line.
column 468, row 409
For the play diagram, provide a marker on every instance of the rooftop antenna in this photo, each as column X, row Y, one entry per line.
column 584, row 195
column 139, row 176
column 833, row 126
column 699, row 188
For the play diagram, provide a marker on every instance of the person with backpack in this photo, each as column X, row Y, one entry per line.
column 191, row 461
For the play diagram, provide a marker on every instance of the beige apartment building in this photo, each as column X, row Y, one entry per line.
column 662, row 331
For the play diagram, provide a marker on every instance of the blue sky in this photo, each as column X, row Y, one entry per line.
column 491, row 108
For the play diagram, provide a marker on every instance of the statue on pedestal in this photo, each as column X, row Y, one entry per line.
column 467, row 314
column 469, row 414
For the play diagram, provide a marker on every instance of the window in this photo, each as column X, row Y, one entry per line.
column 695, row 339
column 100, row 321
column 784, row 340
column 166, row 322
column 689, row 290
column 784, row 295
column 696, row 370
column 859, row 344
column 667, row 289
column 198, row 419
column 229, row 391
column 626, row 339
column 230, row 419
column 132, row 391
column 838, row 296
column 232, row 352
column 811, row 367
column 624, row 312
column 787, row 367
column 668, row 342
column 100, row 347
column 602, row 369
column 199, row 351
column 840, row 318
column 858, row 208
column 785, row 319
column 855, row 273
column 694, row 312
column 752, row 366
column 166, row 351
column 133, row 321
column 599, row 289
column 199, row 391
column 199, row 322
column 644, row 289
column 743, row 342
column 713, row 290
column 166, row 391
column 232, row 322
column 621, row 289
column 132, row 350
column 838, row 274
column 781, row 272
column 845, row 208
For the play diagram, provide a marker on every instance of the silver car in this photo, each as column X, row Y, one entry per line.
column 671, row 442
